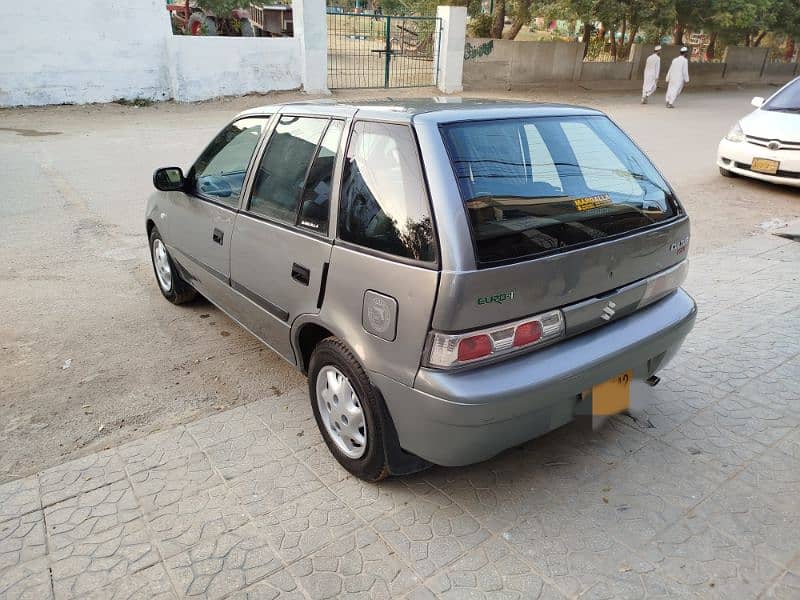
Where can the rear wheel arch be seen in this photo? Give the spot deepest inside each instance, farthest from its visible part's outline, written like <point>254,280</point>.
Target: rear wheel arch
<point>308,337</point>
<point>150,226</point>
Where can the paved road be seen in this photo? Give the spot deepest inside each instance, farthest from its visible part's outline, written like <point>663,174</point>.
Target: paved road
<point>692,495</point>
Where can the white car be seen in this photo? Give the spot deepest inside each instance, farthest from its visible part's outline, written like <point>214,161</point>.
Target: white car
<point>766,143</point>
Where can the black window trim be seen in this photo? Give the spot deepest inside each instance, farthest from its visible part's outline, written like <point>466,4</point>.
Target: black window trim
<point>195,193</point>
<point>479,264</point>
<point>244,207</point>
<point>432,265</point>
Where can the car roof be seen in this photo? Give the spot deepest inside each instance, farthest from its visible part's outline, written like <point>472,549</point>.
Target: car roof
<point>440,110</point>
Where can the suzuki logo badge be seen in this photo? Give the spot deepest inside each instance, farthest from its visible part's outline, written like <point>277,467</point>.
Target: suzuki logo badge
<point>609,311</point>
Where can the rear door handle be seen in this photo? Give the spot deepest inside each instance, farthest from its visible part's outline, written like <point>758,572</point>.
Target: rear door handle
<point>301,274</point>
<point>217,236</point>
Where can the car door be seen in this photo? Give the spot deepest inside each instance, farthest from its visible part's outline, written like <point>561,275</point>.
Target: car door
<point>201,219</point>
<point>280,247</point>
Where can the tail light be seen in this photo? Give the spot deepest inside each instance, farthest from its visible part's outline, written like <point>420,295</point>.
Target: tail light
<point>448,350</point>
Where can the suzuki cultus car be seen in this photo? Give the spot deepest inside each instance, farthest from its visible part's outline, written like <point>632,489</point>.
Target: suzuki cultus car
<point>454,279</point>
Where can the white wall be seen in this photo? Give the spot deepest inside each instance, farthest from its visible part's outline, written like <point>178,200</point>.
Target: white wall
<point>206,67</point>
<point>81,51</point>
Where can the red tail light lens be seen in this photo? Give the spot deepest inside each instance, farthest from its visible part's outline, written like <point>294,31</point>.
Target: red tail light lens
<point>448,350</point>
<point>527,333</point>
<point>474,347</point>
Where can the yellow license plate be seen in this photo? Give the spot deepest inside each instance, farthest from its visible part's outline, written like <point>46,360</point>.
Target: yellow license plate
<point>612,396</point>
<point>765,165</point>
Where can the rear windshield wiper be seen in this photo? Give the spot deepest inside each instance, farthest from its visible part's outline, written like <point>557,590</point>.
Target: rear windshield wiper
<point>788,109</point>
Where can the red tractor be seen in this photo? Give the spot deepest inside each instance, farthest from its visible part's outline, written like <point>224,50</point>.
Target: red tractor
<point>190,19</point>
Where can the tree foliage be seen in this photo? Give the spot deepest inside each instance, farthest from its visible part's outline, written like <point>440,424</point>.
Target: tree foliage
<point>744,22</point>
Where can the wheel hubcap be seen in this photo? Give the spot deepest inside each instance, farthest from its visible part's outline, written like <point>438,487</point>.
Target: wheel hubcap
<point>341,412</point>
<point>161,262</point>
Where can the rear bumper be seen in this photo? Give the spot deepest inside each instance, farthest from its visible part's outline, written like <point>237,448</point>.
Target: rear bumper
<point>464,417</point>
<point>736,157</point>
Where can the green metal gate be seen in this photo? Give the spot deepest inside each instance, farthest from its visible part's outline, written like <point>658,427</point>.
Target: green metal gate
<point>374,50</point>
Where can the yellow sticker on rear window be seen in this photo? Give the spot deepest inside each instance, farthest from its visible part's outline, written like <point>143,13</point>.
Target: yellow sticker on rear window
<point>591,202</point>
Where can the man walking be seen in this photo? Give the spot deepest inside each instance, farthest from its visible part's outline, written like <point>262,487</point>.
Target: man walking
<point>652,68</point>
<point>677,76</point>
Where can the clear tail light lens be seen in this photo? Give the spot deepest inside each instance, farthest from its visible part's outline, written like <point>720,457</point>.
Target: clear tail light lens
<point>661,284</point>
<point>448,350</point>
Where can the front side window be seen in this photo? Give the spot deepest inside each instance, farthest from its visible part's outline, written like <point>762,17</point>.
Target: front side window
<point>219,172</point>
<point>384,203</point>
<point>282,172</point>
<point>535,185</point>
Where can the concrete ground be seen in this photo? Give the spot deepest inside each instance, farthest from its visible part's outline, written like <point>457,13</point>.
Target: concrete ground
<point>695,495</point>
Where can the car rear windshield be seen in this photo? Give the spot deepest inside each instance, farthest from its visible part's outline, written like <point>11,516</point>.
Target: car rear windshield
<point>538,185</point>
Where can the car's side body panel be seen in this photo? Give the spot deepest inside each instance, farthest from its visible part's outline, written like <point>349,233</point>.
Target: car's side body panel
<point>263,257</point>
<point>353,273</point>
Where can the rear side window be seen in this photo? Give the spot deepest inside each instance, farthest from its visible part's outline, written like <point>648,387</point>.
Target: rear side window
<point>316,198</point>
<point>282,172</point>
<point>536,185</point>
<point>384,203</point>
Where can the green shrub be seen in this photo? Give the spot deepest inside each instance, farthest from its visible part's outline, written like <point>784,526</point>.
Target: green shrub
<point>480,26</point>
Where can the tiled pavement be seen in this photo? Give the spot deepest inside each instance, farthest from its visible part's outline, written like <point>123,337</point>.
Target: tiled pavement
<point>697,493</point>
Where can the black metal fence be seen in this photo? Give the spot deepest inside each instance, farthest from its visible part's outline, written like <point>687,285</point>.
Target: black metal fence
<point>375,50</point>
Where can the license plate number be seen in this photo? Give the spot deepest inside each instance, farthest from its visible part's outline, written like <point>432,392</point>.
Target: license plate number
<point>612,396</point>
<point>765,165</point>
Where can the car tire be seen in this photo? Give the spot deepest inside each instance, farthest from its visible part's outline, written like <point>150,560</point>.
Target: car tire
<point>368,461</point>
<point>174,288</point>
<point>726,173</point>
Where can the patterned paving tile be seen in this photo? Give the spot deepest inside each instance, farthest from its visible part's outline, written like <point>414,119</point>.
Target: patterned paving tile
<point>151,583</point>
<point>428,535</point>
<point>225,426</point>
<point>726,450</point>
<point>22,539</point>
<point>490,571</point>
<point>567,547</point>
<point>272,485</point>
<point>92,563</point>
<point>196,519</point>
<point>306,524</point>
<point>157,449</point>
<point>81,475</point>
<point>27,581</point>
<point>787,587</point>
<point>240,455</point>
<point>773,474</point>
<point>360,565</point>
<point>19,497</point>
<point>278,586</point>
<point>90,513</point>
<point>289,417</point>
<point>712,564</point>
<point>218,566</point>
<point>319,459</point>
<point>372,501</point>
<point>754,519</point>
<point>778,388</point>
<point>180,478</point>
<point>747,418</point>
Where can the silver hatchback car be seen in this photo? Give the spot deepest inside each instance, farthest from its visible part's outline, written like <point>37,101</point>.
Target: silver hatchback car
<point>454,278</point>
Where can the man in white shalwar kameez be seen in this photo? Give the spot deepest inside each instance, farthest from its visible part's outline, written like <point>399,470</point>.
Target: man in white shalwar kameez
<point>677,76</point>
<point>652,69</point>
